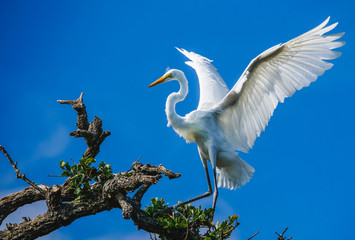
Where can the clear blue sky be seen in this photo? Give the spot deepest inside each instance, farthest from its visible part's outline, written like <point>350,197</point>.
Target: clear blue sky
<point>113,50</point>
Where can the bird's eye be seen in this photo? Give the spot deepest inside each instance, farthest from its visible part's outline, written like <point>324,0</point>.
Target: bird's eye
<point>170,75</point>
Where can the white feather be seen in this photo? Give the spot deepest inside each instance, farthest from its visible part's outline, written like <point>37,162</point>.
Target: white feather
<point>271,77</point>
<point>212,87</point>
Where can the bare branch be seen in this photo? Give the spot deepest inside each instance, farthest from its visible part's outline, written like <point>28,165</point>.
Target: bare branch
<point>254,235</point>
<point>19,174</point>
<point>281,236</point>
<point>92,133</point>
<point>79,106</point>
<point>156,169</point>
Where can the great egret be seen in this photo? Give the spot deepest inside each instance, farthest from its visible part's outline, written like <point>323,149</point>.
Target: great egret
<point>225,120</point>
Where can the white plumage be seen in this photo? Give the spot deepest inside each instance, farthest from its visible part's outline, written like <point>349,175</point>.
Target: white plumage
<point>225,120</point>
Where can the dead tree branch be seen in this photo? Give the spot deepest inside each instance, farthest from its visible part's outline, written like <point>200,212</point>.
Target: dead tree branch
<point>61,210</point>
<point>92,133</point>
<point>19,174</point>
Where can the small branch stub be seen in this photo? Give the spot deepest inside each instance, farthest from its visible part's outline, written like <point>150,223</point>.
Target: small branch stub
<point>92,132</point>
<point>281,236</point>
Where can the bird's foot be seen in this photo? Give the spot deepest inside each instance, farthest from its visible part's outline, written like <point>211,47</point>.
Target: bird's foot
<point>165,210</point>
<point>169,209</point>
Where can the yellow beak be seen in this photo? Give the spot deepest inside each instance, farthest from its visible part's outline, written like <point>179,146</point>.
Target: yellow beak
<point>159,81</point>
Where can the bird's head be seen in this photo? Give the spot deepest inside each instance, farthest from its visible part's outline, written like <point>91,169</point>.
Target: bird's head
<point>170,75</point>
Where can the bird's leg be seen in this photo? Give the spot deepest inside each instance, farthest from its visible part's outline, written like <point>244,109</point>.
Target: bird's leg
<point>215,193</point>
<point>206,194</point>
<point>212,155</point>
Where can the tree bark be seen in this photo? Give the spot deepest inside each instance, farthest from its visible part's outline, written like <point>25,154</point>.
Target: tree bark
<point>61,210</point>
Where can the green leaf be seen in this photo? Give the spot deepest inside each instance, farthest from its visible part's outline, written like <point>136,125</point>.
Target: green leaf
<point>62,163</point>
<point>83,173</point>
<point>76,199</point>
<point>77,191</point>
<point>65,174</point>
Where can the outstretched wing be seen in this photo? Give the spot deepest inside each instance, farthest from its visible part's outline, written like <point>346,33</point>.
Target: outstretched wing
<point>212,87</point>
<point>271,77</point>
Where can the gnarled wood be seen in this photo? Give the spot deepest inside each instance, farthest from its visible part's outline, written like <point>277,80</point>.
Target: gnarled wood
<point>61,210</point>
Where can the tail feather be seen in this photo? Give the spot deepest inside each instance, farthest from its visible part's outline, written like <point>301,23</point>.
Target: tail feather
<point>232,171</point>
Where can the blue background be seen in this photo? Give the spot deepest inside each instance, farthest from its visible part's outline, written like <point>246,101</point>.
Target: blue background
<point>113,50</point>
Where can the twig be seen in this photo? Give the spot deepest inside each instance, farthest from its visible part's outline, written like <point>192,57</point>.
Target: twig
<point>281,236</point>
<point>254,235</point>
<point>232,229</point>
<point>19,174</point>
<point>187,221</point>
<point>134,163</point>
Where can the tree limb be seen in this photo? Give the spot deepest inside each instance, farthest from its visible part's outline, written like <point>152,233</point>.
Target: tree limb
<point>92,133</point>
<point>12,202</point>
<point>61,210</point>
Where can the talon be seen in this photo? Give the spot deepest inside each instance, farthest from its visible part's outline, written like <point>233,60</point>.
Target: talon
<point>163,210</point>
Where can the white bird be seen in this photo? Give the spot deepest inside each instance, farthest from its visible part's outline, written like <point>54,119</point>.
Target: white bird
<point>230,120</point>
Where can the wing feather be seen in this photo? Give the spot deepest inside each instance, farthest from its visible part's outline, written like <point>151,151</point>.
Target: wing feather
<point>271,77</point>
<point>212,87</point>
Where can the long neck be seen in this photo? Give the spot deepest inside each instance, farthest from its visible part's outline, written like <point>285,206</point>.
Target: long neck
<point>173,118</point>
